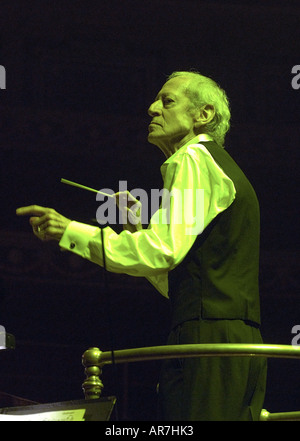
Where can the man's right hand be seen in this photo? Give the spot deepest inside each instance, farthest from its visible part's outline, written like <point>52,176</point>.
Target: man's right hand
<point>130,209</point>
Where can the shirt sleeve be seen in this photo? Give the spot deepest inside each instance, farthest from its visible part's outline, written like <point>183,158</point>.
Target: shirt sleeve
<point>193,196</point>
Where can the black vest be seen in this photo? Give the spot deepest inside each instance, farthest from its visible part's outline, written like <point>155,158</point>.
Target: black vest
<point>218,279</point>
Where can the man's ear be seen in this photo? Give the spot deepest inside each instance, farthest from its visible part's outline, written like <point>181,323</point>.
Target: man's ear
<point>204,115</point>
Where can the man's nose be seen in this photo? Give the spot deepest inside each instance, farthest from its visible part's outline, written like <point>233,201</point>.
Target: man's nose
<point>154,109</point>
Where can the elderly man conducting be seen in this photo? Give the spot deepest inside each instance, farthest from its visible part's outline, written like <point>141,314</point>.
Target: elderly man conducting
<point>208,267</point>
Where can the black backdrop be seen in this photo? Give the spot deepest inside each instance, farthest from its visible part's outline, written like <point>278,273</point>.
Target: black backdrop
<point>79,79</point>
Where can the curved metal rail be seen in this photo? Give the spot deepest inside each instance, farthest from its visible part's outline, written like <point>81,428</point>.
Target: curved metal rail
<point>281,416</point>
<point>98,358</point>
<point>93,360</point>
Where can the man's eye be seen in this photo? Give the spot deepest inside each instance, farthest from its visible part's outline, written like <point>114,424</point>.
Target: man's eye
<point>168,100</point>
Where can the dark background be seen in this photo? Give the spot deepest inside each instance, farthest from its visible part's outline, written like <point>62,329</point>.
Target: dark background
<point>79,79</point>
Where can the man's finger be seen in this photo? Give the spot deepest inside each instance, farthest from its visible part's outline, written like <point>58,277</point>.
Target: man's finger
<point>31,210</point>
<point>34,221</point>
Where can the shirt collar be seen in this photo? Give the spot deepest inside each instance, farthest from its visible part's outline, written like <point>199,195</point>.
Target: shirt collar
<point>196,140</point>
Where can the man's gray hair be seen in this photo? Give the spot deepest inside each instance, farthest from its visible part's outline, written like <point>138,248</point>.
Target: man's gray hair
<point>203,90</point>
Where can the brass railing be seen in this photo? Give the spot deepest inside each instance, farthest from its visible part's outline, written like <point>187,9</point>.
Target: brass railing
<point>93,360</point>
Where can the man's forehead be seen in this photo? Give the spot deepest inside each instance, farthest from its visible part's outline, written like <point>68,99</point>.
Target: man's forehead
<point>174,86</point>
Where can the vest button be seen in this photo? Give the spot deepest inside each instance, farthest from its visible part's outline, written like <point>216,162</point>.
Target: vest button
<point>72,245</point>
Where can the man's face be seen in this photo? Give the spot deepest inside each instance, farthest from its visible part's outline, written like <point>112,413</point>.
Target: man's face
<point>173,122</point>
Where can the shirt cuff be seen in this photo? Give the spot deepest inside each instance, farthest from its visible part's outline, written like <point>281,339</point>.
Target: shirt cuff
<point>76,238</point>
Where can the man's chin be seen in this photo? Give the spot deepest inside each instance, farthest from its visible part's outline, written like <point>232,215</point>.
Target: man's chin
<point>153,139</point>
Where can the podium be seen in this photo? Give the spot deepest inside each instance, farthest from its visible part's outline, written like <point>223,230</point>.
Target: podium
<point>76,410</point>
<point>20,409</point>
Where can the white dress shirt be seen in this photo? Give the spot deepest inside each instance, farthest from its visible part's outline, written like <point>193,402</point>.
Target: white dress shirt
<point>200,190</point>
